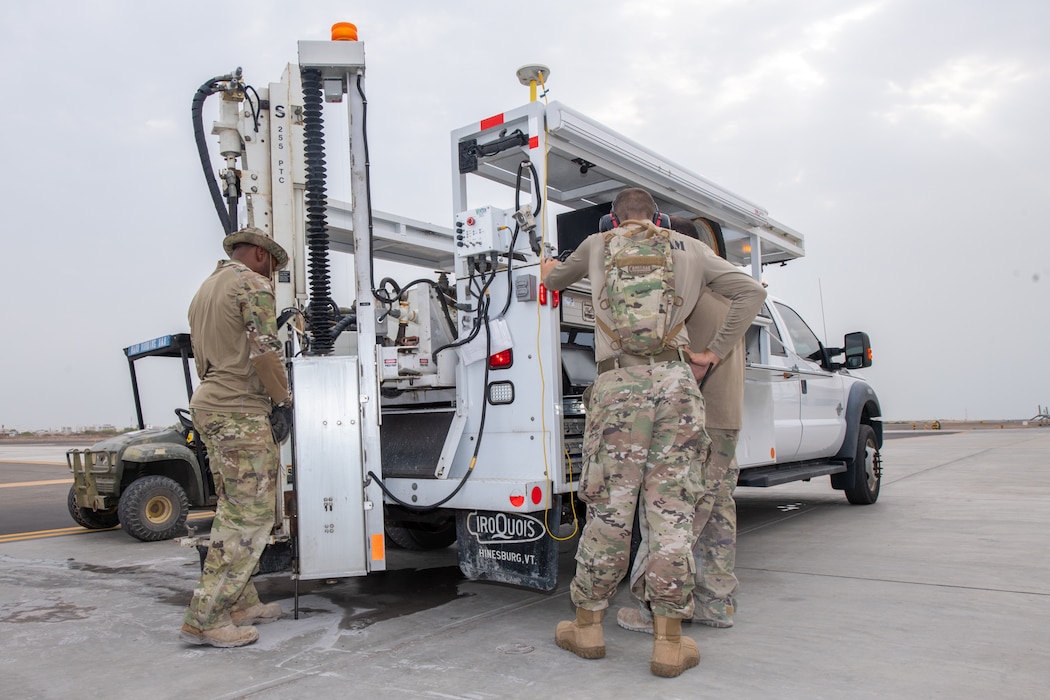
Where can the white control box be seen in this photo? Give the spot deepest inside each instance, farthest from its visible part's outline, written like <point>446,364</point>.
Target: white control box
<point>483,230</point>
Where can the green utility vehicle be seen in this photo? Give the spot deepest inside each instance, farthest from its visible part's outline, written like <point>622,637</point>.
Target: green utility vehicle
<point>145,481</point>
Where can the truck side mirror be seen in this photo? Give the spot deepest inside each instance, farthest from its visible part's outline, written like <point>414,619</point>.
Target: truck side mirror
<point>857,349</point>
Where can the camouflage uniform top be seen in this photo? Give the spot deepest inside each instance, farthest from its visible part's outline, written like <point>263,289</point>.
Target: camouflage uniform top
<point>695,268</point>
<point>232,320</point>
<point>724,389</point>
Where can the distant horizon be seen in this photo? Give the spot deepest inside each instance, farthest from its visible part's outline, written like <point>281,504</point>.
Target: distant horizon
<point>41,432</point>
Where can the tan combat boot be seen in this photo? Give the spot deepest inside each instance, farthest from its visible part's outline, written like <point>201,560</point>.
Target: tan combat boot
<point>582,636</point>
<point>635,620</point>
<point>672,653</point>
<point>258,614</point>
<point>226,636</point>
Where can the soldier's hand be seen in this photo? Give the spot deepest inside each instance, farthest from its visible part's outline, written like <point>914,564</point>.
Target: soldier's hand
<point>701,362</point>
<point>546,265</point>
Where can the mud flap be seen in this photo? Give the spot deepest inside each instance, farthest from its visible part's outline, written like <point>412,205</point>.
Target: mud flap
<point>277,557</point>
<point>512,548</point>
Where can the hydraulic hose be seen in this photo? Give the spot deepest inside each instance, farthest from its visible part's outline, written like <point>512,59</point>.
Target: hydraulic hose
<point>203,92</point>
<point>319,311</point>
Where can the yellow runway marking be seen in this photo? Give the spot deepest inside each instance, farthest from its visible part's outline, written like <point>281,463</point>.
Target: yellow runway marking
<point>36,483</point>
<point>19,536</point>
<point>29,461</point>
<point>77,530</point>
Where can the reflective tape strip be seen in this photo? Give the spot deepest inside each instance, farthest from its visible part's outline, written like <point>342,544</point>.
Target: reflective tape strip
<point>491,122</point>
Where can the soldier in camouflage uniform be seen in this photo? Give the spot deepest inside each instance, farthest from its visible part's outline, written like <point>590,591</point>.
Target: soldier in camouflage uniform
<point>645,442</point>
<point>714,523</point>
<point>238,359</point>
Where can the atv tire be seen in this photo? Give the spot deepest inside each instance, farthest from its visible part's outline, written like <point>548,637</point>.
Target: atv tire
<point>91,519</point>
<point>154,508</point>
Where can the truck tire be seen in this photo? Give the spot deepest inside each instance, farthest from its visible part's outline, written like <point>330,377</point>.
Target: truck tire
<point>420,537</point>
<point>91,519</point>
<point>154,508</point>
<point>867,466</point>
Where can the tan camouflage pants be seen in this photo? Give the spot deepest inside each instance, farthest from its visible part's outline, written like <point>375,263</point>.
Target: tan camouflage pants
<point>715,529</point>
<point>644,443</point>
<point>245,463</point>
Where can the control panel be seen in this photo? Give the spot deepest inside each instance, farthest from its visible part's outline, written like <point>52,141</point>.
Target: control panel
<point>483,230</point>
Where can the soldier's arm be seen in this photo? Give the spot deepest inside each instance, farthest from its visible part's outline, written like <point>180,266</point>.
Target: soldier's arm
<point>264,347</point>
<point>559,275</point>
<point>745,297</point>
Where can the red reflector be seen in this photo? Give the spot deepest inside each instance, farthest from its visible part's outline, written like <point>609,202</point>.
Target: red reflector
<point>537,495</point>
<point>491,122</point>
<point>501,359</point>
<point>534,142</point>
<point>555,298</point>
<point>517,500</point>
<point>543,295</point>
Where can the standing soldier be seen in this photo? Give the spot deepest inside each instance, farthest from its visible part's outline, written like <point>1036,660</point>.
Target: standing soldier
<point>645,439</point>
<point>714,523</point>
<point>238,357</point>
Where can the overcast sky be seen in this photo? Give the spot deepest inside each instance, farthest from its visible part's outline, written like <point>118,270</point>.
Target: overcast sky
<point>906,139</point>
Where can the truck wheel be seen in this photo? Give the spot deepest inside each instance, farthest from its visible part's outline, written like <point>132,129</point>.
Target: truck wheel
<point>422,536</point>
<point>868,465</point>
<point>91,519</point>
<point>154,508</point>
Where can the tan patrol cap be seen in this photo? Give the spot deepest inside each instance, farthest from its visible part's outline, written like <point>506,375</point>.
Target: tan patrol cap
<point>256,237</point>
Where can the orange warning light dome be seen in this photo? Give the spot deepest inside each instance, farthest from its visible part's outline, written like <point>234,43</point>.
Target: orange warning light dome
<point>344,31</point>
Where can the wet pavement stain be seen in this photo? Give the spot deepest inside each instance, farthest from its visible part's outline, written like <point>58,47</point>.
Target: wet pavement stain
<point>180,599</point>
<point>366,600</point>
<point>95,569</point>
<point>60,612</point>
<point>382,595</point>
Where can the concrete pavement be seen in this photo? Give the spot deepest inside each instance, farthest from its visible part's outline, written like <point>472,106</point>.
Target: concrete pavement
<point>940,590</point>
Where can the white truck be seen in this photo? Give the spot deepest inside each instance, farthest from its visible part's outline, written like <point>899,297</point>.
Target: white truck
<point>446,407</point>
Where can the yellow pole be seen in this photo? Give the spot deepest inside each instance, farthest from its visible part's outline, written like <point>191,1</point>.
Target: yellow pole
<point>532,91</point>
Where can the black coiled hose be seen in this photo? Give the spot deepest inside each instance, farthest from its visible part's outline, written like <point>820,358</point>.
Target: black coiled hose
<point>320,312</point>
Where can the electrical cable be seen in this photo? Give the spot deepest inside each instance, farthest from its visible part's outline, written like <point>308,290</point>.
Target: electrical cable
<point>256,107</point>
<point>482,310</point>
<point>517,227</point>
<point>539,360</point>
<point>572,505</point>
<point>477,445</point>
<point>379,294</point>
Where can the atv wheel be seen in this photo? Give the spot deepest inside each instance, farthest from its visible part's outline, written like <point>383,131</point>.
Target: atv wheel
<point>422,536</point>
<point>91,519</point>
<point>154,508</point>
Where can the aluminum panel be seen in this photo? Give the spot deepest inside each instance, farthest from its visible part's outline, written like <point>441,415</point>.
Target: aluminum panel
<point>328,468</point>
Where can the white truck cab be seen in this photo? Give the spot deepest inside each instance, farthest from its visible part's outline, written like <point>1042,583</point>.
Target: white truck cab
<point>817,409</point>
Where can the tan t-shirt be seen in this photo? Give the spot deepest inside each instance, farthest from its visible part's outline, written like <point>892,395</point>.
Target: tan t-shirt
<point>695,268</point>
<point>724,388</point>
<point>232,319</point>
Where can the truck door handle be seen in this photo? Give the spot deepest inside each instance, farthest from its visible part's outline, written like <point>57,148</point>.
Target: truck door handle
<point>804,387</point>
